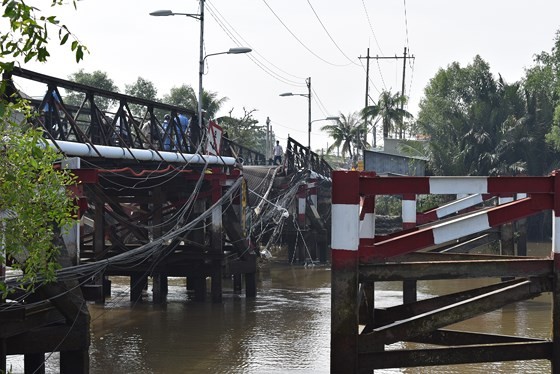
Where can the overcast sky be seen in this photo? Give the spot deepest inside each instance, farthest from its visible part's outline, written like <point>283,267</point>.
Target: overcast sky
<point>293,40</point>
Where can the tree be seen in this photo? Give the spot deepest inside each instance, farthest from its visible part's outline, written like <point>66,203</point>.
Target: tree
<point>143,89</point>
<point>185,96</point>
<point>245,130</point>
<point>31,199</point>
<point>388,111</point>
<point>97,79</point>
<point>346,133</point>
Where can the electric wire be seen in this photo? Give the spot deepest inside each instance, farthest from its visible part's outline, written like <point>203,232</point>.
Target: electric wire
<point>299,40</point>
<point>222,21</point>
<point>371,27</point>
<point>329,35</point>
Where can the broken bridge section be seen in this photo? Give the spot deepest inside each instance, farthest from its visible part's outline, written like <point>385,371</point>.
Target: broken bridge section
<point>360,332</point>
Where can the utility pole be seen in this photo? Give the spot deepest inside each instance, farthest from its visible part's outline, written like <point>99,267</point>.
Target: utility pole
<point>267,139</point>
<point>402,91</point>
<point>403,57</point>
<point>367,103</point>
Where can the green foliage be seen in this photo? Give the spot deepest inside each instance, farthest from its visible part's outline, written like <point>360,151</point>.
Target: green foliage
<point>143,89</point>
<point>388,205</point>
<point>185,96</point>
<point>28,35</point>
<point>98,79</point>
<point>346,133</point>
<point>245,131</point>
<point>388,111</point>
<point>479,125</point>
<point>33,192</point>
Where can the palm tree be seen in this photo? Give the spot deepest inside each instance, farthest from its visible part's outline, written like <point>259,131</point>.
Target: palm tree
<point>388,110</point>
<point>346,133</point>
<point>186,96</point>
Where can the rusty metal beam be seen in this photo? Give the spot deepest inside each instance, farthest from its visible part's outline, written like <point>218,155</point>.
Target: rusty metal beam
<point>455,269</point>
<point>454,338</point>
<point>386,316</point>
<point>424,323</point>
<point>455,355</point>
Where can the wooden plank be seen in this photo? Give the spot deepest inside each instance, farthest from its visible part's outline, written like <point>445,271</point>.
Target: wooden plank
<point>407,329</point>
<point>456,269</point>
<point>455,355</point>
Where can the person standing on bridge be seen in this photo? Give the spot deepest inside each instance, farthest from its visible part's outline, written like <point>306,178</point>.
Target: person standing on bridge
<point>278,152</point>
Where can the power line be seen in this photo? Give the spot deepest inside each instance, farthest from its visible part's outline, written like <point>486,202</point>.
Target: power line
<point>299,41</point>
<point>222,21</point>
<point>371,27</point>
<point>329,35</point>
<point>259,64</point>
<point>406,23</point>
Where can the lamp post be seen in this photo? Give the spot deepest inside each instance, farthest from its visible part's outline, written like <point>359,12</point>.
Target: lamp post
<point>308,95</point>
<point>200,17</point>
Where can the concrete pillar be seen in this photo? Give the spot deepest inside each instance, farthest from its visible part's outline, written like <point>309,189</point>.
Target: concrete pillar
<point>344,271</point>
<point>555,359</point>
<point>408,211</point>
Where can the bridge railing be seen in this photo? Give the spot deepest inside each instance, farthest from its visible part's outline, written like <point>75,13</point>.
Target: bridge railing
<point>360,332</point>
<point>102,117</point>
<point>245,155</point>
<point>298,157</point>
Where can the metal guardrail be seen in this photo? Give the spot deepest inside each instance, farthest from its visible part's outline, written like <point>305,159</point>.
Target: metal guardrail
<point>298,158</point>
<point>131,123</point>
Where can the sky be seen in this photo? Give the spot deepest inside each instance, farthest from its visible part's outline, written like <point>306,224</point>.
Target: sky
<point>295,40</point>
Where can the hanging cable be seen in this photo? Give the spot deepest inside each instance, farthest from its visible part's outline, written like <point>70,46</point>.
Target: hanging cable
<point>299,41</point>
<point>329,35</point>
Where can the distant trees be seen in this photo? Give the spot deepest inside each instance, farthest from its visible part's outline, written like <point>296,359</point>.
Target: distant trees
<point>187,97</point>
<point>480,125</point>
<point>388,110</point>
<point>245,130</point>
<point>346,133</point>
<point>97,79</point>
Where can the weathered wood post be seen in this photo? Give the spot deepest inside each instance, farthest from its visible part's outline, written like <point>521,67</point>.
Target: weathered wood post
<point>367,237</point>
<point>99,244</point>
<point>408,222</point>
<point>344,271</point>
<point>555,359</point>
<point>160,284</point>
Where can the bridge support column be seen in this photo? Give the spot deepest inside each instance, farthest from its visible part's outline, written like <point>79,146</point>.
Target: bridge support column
<point>99,245</point>
<point>34,363</point>
<point>344,271</point>
<point>555,359</point>
<point>159,288</point>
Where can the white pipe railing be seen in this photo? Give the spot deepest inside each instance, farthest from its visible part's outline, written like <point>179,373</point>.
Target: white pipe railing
<point>87,150</point>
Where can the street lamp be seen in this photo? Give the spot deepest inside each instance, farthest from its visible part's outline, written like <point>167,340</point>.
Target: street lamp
<point>308,95</point>
<point>200,17</point>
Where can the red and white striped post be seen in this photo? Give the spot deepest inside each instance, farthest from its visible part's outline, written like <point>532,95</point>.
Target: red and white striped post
<point>555,360</point>
<point>408,211</point>
<point>344,271</point>
<point>367,220</point>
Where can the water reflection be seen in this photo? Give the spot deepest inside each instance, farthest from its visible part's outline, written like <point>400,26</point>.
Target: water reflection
<point>286,329</point>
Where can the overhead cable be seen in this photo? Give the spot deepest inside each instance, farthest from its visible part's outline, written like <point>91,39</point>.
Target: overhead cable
<point>329,35</point>
<point>299,40</point>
